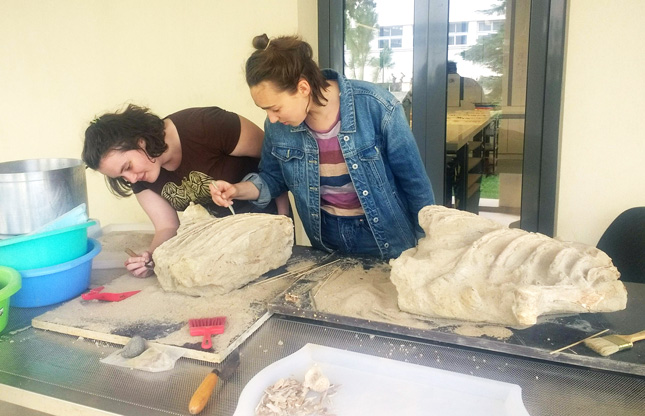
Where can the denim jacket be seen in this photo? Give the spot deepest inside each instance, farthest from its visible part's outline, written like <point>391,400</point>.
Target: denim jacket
<point>382,158</point>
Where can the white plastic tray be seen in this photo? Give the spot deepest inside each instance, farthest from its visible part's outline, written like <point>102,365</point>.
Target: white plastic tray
<point>378,386</point>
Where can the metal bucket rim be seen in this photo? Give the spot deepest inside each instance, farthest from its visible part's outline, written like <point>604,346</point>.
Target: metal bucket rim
<point>15,176</point>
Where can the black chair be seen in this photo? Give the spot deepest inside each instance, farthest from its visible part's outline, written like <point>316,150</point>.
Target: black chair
<point>624,242</point>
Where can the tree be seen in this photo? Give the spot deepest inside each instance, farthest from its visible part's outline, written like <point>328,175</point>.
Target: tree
<point>489,52</point>
<point>360,26</point>
<point>384,62</point>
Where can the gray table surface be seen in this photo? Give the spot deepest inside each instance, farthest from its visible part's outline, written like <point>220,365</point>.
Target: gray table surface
<point>63,373</point>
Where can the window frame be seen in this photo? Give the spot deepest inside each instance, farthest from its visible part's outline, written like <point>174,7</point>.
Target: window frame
<point>543,102</point>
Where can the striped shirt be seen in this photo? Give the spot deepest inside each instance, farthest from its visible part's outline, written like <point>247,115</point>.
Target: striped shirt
<point>337,193</point>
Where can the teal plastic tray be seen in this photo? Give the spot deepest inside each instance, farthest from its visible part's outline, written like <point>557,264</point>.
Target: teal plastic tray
<point>33,251</point>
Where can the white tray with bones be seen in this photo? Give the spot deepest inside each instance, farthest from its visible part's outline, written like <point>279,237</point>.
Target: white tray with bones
<point>324,381</point>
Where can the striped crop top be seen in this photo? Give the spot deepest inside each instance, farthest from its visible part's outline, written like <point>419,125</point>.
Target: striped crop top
<point>337,193</point>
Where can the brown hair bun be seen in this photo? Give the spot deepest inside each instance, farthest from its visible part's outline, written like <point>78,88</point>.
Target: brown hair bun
<point>261,42</point>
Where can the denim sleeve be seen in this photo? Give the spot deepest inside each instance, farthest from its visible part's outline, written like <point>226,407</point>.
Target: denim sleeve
<point>406,164</point>
<point>265,196</point>
<point>269,180</point>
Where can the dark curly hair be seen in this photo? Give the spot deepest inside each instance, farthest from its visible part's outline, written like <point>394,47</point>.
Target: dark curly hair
<point>284,61</point>
<point>122,132</point>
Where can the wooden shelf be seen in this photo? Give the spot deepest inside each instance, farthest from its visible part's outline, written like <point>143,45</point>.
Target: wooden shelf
<point>474,146</point>
<point>473,163</point>
<point>473,179</point>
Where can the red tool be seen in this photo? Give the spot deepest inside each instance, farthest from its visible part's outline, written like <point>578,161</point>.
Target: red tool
<point>110,297</point>
<point>207,327</point>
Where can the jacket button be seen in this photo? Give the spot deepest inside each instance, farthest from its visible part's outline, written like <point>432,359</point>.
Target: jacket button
<point>354,166</point>
<point>346,138</point>
<point>386,245</point>
<point>375,220</point>
<point>365,193</point>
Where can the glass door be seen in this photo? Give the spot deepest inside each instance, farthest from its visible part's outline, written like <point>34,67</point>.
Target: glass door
<point>486,100</point>
<point>488,41</point>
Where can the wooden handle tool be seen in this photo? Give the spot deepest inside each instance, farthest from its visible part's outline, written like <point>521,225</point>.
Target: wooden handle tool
<point>205,389</point>
<point>203,393</point>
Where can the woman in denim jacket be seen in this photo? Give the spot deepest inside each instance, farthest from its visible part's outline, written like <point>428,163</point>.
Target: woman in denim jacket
<point>342,147</point>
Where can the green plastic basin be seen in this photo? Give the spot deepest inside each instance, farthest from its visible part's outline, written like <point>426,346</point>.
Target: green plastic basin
<point>9,284</point>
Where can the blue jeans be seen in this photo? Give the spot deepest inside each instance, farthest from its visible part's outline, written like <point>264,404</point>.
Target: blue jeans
<point>348,235</point>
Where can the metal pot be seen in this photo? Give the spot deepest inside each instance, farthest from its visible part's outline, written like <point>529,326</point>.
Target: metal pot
<point>36,191</point>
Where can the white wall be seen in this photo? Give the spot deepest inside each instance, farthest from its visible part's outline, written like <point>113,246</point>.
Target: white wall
<point>603,140</point>
<point>64,62</point>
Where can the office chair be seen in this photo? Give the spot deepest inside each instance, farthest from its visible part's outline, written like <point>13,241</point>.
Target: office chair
<point>624,242</point>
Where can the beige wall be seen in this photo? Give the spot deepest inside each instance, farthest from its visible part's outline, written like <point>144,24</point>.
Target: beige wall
<point>64,62</point>
<point>603,141</point>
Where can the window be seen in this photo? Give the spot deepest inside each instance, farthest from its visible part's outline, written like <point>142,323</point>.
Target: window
<point>537,200</point>
<point>485,26</point>
<point>391,31</point>
<point>458,27</point>
<point>490,25</point>
<point>457,40</point>
<point>390,37</point>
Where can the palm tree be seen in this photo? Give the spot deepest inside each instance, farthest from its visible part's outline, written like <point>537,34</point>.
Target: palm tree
<point>360,26</point>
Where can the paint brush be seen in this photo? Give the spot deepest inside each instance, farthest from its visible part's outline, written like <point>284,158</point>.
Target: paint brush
<point>610,344</point>
<point>578,342</point>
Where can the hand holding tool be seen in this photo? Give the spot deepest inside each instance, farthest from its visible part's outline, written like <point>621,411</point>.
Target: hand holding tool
<point>613,343</point>
<point>230,207</point>
<point>205,389</point>
<point>131,253</point>
<point>107,296</point>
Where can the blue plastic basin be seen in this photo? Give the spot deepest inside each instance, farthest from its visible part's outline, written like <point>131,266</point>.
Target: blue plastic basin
<point>54,284</point>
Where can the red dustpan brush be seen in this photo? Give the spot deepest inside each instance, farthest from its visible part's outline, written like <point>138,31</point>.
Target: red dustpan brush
<point>207,327</point>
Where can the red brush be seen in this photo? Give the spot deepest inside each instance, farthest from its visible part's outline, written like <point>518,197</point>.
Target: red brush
<point>207,327</point>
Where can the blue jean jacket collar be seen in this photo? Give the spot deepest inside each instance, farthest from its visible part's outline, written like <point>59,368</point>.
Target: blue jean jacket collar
<point>348,111</point>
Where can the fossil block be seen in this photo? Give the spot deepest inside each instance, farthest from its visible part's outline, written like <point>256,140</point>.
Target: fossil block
<point>471,268</point>
<point>212,255</point>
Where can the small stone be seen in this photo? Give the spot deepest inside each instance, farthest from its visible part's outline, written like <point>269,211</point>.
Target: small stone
<point>134,347</point>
